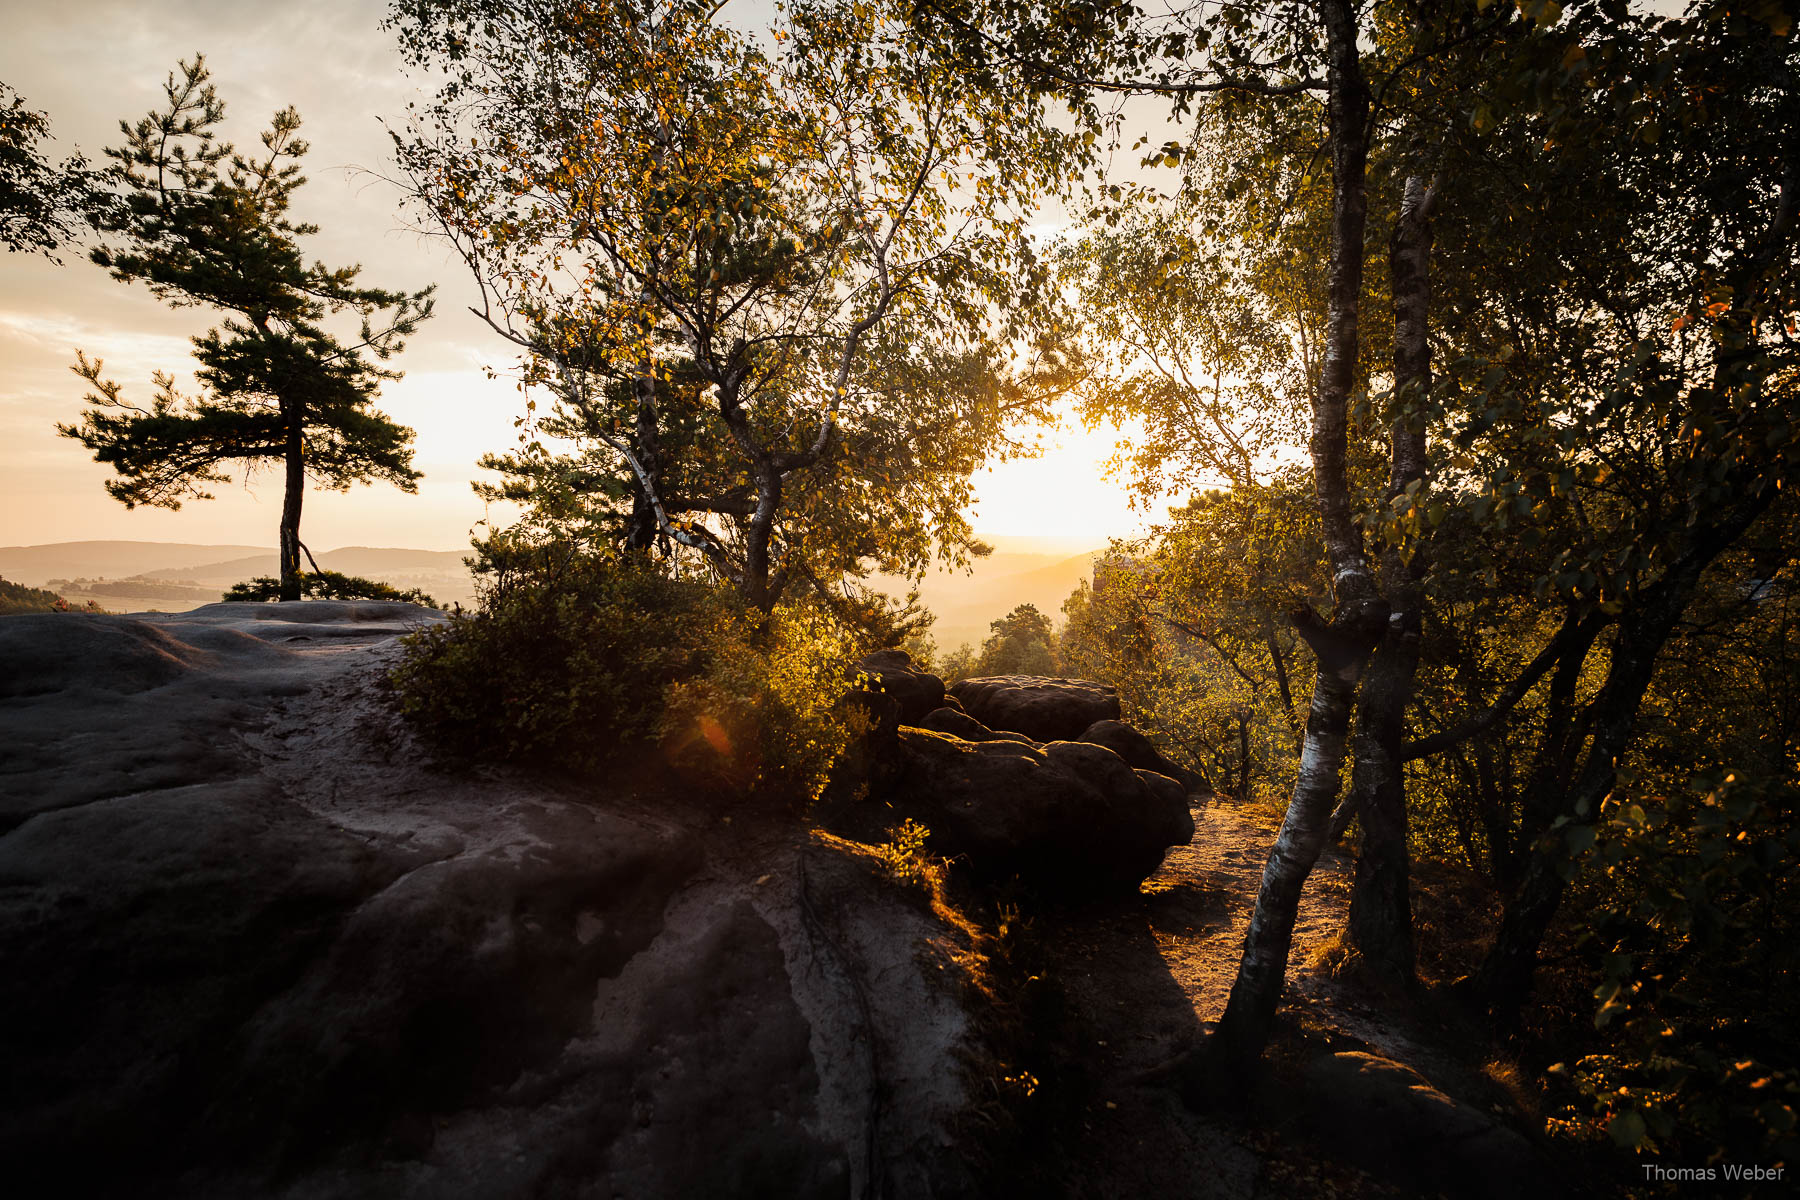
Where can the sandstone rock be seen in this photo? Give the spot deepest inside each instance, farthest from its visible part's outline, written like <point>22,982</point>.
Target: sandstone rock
<point>916,692</point>
<point>306,964</point>
<point>957,723</point>
<point>1043,709</point>
<point>1070,818</point>
<point>1137,750</point>
<point>1172,793</point>
<point>1161,819</point>
<point>1387,1116</point>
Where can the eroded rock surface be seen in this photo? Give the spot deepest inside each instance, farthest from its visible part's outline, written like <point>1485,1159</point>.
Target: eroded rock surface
<point>1388,1117</point>
<point>1138,750</point>
<point>915,692</point>
<point>957,723</point>
<point>1072,819</point>
<point>1041,708</point>
<point>256,943</point>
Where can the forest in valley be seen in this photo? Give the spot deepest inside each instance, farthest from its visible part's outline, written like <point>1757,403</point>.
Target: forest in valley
<point>1464,333</point>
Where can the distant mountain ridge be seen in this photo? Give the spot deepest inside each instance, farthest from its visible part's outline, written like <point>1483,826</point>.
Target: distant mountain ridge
<point>200,562</point>
<point>1021,570</point>
<point>351,560</point>
<point>141,576</point>
<point>35,565</point>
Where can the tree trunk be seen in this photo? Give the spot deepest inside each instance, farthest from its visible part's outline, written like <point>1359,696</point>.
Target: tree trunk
<point>294,494</point>
<point>1504,979</point>
<point>1243,783</point>
<point>641,533</point>
<point>1495,815</point>
<point>761,582</point>
<point>1343,645</point>
<point>1380,927</point>
<point>759,585</point>
<point>1249,1016</point>
<point>1278,659</point>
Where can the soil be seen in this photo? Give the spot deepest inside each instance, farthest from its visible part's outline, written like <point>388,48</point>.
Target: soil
<point>1119,992</point>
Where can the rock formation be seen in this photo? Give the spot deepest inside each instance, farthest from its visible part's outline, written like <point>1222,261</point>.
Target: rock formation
<point>1071,819</point>
<point>1137,750</point>
<point>255,943</point>
<point>1043,709</point>
<point>957,723</point>
<point>1388,1117</point>
<point>1026,776</point>
<point>914,691</point>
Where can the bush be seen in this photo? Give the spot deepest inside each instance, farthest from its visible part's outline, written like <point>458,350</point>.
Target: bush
<point>575,661</point>
<point>1693,910</point>
<point>761,716</point>
<point>328,585</point>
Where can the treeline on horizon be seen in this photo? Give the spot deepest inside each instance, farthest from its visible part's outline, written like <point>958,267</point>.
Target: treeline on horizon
<point>1470,332</point>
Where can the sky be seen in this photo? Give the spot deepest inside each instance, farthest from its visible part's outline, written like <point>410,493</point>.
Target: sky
<point>90,63</point>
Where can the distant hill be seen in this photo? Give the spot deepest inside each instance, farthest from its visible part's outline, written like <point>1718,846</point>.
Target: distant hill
<point>1040,571</point>
<point>37,565</point>
<point>17,598</point>
<point>177,576</point>
<point>351,560</point>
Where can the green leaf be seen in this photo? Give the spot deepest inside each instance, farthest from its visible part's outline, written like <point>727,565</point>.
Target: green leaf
<point>1627,1130</point>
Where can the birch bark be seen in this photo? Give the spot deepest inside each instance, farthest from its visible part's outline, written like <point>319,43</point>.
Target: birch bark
<point>1343,643</point>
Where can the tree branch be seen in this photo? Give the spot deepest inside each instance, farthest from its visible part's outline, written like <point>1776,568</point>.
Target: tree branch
<point>1576,631</point>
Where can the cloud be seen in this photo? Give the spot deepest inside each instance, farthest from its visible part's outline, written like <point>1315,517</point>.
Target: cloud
<point>61,332</point>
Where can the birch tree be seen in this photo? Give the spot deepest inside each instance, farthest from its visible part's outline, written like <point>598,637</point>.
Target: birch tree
<point>41,203</point>
<point>801,220</point>
<point>1236,62</point>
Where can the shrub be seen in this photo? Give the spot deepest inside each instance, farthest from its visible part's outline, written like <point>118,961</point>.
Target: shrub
<point>905,857</point>
<point>760,717</point>
<point>328,585</point>
<point>574,661</point>
<point>1692,913</point>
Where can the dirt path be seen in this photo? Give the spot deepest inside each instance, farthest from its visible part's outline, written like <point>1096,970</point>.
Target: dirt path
<point>1191,918</point>
<point>1132,985</point>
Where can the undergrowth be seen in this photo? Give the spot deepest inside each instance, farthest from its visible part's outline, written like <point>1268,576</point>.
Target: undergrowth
<point>328,585</point>
<point>581,663</point>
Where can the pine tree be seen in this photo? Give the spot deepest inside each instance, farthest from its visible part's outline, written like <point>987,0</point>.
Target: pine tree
<point>204,226</point>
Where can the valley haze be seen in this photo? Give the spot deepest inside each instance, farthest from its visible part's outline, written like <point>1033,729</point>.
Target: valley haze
<point>134,576</point>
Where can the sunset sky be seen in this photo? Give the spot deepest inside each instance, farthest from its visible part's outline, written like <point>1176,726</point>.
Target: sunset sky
<point>89,63</point>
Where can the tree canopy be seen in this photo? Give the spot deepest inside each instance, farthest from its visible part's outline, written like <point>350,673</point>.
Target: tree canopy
<point>42,203</point>
<point>1534,265</point>
<point>781,283</point>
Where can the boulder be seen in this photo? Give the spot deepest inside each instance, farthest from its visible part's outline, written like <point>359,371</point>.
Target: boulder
<point>1137,750</point>
<point>1170,791</point>
<point>303,962</point>
<point>1071,819</point>
<point>1388,1117</point>
<point>1041,708</point>
<point>916,692</point>
<point>957,723</point>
